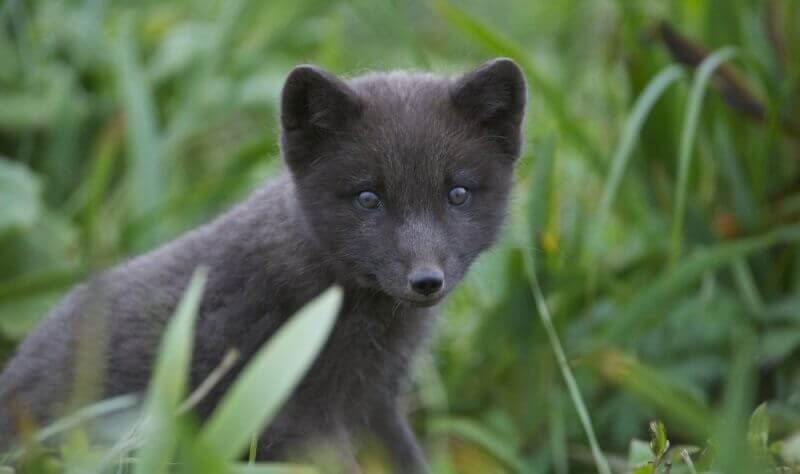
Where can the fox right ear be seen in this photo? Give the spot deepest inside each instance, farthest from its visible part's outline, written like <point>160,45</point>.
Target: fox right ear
<point>313,98</point>
<point>492,92</point>
<point>493,95</point>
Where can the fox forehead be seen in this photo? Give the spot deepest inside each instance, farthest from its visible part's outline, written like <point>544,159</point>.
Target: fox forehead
<point>398,157</point>
<point>407,134</point>
<point>402,131</point>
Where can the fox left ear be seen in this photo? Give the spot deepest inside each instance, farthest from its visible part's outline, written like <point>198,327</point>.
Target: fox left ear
<point>313,98</point>
<point>493,94</point>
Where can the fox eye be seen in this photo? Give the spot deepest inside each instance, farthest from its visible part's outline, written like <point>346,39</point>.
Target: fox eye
<point>368,200</point>
<point>458,195</point>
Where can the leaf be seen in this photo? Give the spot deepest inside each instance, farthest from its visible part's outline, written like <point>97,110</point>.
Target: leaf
<point>20,195</point>
<point>271,376</point>
<point>758,429</point>
<point>169,381</point>
<point>659,442</point>
<point>640,457</point>
<point>647,468</point>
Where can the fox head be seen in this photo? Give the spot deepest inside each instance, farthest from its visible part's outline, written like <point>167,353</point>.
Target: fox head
<point>403,178</point>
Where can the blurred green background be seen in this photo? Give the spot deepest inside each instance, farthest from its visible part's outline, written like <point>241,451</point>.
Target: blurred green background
<point>659,197</point>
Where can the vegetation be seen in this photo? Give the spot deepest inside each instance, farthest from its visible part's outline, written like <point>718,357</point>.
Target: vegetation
<point>654,232</point>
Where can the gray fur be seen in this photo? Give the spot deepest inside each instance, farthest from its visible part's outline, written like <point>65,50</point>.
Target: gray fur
<point>409,137</point>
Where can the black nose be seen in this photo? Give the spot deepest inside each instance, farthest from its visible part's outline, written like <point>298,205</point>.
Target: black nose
<point>426,281</point>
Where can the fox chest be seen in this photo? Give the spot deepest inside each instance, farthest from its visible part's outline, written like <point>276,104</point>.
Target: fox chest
<point>365,362</point>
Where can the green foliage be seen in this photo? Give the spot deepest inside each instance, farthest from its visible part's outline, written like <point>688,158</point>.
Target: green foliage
<point>658,198</point>
<point>659,457</point>
<point>147,442</point>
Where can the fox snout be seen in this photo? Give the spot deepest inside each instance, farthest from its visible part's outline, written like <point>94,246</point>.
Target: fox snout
<point>426,281</point>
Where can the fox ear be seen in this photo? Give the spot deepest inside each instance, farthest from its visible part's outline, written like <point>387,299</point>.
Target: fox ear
<point>315,98</point>
<point>493,94</point>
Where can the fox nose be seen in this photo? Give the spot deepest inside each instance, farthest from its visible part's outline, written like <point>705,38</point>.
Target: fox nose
<point>426,281</point>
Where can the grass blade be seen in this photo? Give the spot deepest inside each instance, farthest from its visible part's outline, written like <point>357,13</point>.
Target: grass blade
<point>170,379</point>
<point>641,109</point>
<point>688,134</point>
<point>566,372</point>
<point>271,377</point>
<point>654,90</point>
<point>541,174</point>
<point>540,190</point>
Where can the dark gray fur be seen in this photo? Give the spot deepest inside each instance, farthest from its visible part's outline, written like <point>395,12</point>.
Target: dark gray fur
<point>409,137</point>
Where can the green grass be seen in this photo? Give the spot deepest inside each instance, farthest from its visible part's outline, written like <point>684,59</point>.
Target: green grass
<point>660,212</point>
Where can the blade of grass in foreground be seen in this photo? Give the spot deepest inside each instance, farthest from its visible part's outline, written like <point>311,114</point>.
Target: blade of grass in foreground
<point>168,385</point>
<point>688,134</point>
<point>271,376</point>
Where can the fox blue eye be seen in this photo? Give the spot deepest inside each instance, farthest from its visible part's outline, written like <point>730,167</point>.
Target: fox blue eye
<point>368,200</point>
<point>458,195</point>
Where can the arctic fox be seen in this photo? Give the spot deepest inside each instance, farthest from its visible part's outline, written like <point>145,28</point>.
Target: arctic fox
<point>395,183</point>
